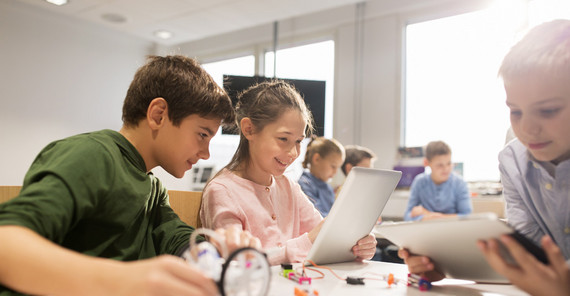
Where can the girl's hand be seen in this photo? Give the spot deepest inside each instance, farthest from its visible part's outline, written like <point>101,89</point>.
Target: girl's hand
<point>421,265</point>
<point>236,238</point>
<point>365,248</point>
<point>315,231</point>
<point>530,275</point>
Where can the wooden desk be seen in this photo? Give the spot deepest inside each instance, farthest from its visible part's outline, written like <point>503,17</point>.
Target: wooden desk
<point>331,286</point>
<point>398,202</point>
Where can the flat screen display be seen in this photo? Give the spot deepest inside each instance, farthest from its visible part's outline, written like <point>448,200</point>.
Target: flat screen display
<point>312,91</point>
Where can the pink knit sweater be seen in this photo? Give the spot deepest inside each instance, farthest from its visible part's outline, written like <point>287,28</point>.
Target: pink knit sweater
<point>280,215</point>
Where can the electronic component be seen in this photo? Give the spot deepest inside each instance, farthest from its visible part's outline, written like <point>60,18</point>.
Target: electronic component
<point>299,279</point>
<point>287,268</point>
<point>421,283</point>
<point>245,271</point>
<point>354,280</point>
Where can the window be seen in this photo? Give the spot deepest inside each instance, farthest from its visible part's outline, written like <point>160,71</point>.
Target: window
<point>312,62</point>
<point>244,66</point>
<point>452,92</point>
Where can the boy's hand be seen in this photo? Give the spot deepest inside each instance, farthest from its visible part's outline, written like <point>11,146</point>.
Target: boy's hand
<point>420,265</point>
<point>163,275</point>
<point>530,275</point>
<point>418,211</point>
<point>365,248</point>
<point>432,215</point>
<point>59,271</point>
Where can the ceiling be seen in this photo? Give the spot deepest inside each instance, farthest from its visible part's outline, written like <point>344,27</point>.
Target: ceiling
<point>188,20</point>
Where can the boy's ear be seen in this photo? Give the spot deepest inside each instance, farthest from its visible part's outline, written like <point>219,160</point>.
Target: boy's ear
<point>426,162</point>
<point>157,113</point>
<point>246,127</point>
<point>315,157</point>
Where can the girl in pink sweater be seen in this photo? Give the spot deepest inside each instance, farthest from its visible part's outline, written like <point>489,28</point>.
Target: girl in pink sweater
<point>253,192</point>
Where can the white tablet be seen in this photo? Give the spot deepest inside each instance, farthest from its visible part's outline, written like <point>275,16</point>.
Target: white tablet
<point>451,243</point>
<point>353,214</point>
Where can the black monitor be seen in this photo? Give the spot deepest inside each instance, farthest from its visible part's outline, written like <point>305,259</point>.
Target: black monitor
<point>312,91</point>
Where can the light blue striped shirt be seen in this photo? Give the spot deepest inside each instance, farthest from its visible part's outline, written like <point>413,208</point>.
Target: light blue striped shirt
<point>537,195</point>
<point>449,197</point>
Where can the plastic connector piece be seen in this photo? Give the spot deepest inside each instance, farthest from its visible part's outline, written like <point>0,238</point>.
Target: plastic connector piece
<point>299,279</point>
<point>305,292</point>
<point>421,283</point>
<point>390,280</point>
<point>354,280</point>
<point>286,272</point>
<point>287,268</point>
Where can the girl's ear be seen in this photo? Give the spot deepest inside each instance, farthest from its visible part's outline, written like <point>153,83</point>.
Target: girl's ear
<point>246,127</point>
<point>157,113</point>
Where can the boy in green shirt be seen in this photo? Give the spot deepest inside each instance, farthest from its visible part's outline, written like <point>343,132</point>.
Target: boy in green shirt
<point>90,198</point>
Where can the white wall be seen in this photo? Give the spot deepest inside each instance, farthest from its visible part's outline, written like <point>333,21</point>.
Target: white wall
<point>58,77</point>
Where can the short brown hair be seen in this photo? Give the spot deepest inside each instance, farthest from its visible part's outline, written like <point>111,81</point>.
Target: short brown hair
<point>436,148</point>
<point>185,86</point>
<point>355,154</point>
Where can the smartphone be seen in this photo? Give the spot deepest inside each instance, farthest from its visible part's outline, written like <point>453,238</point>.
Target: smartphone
<point>530,246</point>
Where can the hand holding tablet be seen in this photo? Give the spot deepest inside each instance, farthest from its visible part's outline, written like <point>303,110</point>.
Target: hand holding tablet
<point>451,243</point>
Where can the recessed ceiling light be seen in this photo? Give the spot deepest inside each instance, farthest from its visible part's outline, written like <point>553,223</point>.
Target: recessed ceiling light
<point>57,2</point>
<point>163,34</point>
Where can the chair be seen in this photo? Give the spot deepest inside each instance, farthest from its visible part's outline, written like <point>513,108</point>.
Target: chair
<point>184,203</point>
<point>187,205</point>
<point>8,192</point>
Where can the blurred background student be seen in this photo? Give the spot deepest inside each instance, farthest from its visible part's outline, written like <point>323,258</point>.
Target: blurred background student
<point>439,193</point>
<point>355,156</point>
<point>322,161</point>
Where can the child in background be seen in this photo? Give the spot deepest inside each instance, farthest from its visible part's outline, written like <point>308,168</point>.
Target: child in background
<point>355,156</point>
<point>535,167</point>
<point>323,159</point>
<point>440,193</point>
<point>252,191</point>
<point>89,202</point>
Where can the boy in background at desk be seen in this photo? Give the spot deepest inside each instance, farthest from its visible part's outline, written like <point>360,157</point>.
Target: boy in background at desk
<point>535,167</point>
<point>252,192</point>
<point>355,156</point>
<point>441,193</point>
<point>322,160</point>
<point>89,201</point>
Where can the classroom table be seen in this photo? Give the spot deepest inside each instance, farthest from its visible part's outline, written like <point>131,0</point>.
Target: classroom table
<point>374,270</point>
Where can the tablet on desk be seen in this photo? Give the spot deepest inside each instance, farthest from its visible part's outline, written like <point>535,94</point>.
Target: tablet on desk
<point>353,214</point>
<point>451,243</point>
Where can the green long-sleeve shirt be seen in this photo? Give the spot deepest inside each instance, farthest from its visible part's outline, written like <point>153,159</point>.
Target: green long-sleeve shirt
<point>91,193</point>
